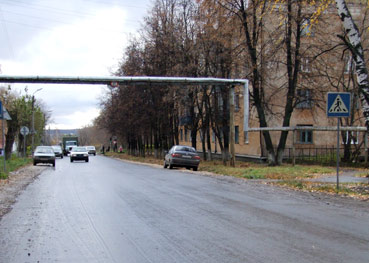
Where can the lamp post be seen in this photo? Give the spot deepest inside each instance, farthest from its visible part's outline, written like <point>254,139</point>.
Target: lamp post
<point>33,118</point>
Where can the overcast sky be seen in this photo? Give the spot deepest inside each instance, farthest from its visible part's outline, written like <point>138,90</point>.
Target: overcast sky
<point>67,38</point>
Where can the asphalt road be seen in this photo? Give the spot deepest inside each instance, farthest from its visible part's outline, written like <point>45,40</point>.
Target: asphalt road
<point>112,211</point>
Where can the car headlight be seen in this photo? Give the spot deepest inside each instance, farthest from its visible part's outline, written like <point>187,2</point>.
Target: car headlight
<point>73,155</point>
<point>85,155</point>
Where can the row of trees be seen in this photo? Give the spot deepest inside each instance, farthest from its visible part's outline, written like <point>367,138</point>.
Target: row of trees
<point>271,43</point>
<point>20,108</point>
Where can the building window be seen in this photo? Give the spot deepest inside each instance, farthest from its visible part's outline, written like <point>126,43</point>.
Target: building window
<point>305,65</point>
<point>354,137</point>
<point>304,99</point>
<point>236,102</point>
<point>236,135</point>
<point>306,28</point>
<point>305,136</point>
<point>348,64</point>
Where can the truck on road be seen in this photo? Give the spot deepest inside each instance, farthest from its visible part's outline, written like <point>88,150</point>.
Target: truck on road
<point>68,143</point>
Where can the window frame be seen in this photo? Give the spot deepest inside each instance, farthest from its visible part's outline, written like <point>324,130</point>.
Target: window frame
<point>307,102</point>
<point>303,135</point>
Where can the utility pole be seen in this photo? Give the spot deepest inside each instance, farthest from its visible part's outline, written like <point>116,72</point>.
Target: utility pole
<point>231,126</point>
<point>33,119</point>
<point>33,124</point>
<point>3,135</point>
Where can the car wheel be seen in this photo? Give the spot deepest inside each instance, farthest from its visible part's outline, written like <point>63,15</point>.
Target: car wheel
<point>165,164</point>
<point>195,168</point>
<point>71,160</point>
<point>61,156</point>
<point>171,166</point>
<point>34,163</point>
<point>86,160</point>
<point>53,164</point>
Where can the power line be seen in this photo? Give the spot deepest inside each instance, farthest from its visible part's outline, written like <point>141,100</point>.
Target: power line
<point>51,29</point>
<point>52,20</point>
<point>57,9</point>
<point>3,22</point>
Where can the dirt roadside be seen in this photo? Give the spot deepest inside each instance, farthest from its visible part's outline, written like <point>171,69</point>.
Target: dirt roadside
<point>15,184</point>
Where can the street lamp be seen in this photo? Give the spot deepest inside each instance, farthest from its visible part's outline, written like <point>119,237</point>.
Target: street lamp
<point>33,118</point>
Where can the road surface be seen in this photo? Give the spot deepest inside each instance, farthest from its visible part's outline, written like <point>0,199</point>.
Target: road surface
<point>113,211</point>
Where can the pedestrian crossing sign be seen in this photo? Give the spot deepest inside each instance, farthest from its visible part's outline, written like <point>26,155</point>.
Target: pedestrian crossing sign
<point>338,104</point>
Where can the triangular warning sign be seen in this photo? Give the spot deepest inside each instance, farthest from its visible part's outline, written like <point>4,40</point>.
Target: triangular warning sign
<point>338,106</point>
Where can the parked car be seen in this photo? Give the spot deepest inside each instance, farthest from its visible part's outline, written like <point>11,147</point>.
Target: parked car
<point>58,151</point>
<point>182,156</point>
<point>78,153</point>
<point>91,150</point>
<point>44,154</point>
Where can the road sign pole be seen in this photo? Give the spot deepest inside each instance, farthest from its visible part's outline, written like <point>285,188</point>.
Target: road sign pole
<point>338,153</point>
<point>24,146</point>
<point>338,105</point>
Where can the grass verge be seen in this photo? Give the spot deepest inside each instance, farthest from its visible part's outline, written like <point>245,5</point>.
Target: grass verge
<point>262,171</point>
<point>12,164</point>
<point>356,190</point>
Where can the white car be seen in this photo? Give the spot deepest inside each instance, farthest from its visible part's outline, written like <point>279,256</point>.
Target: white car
<point>91,150</point>
<point>78,153</point>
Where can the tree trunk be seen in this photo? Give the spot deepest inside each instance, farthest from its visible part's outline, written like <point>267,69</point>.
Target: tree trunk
<point>208,138</point>
<point>194,136</point>
<point>9,140</point>
<point>203,142</point>
<point>355,46</point>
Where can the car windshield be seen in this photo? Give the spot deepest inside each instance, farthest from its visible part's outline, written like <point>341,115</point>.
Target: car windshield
<point>90,147</point>
<point>44,150</point>
<point>56,148</point>
<point>185,149</point>
<point>79,149</point>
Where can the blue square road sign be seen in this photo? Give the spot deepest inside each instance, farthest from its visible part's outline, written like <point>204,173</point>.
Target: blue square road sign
<point>338,104</point>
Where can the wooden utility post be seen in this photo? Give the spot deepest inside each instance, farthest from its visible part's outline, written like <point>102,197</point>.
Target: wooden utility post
<point>231,126</point>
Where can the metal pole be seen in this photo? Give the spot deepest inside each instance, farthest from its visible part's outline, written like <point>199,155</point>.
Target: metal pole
<point>33,123</point>
<point>338,152</point>
<point>246,112</point>
<point>231,124</point>
<point>3,138</point>
<point>33,119</point>
<point>24,146</point>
